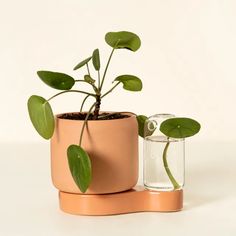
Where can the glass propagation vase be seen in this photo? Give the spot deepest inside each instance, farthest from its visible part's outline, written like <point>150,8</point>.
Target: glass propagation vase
<point>163,167</point>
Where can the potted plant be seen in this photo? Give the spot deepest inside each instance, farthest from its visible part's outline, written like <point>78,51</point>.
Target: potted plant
<point>94,151</point>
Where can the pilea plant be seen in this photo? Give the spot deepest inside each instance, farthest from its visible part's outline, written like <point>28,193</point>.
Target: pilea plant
<point>41,114</point>
<point>178,128</point>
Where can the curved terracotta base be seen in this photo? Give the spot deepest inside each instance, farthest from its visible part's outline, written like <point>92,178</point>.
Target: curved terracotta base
<point>134,200</point>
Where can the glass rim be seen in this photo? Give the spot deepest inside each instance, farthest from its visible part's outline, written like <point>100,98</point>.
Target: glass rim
<point>163,139</point>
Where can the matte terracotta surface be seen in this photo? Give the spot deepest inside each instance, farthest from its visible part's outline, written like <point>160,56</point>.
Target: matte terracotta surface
<point>135,200</point>
<point>112,146</point>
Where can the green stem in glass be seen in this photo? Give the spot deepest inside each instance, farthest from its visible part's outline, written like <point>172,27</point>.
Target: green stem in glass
<point>171,177</point>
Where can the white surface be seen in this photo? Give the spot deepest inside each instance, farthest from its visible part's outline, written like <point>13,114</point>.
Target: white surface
<point>29,202</point>
<point>186,62</point>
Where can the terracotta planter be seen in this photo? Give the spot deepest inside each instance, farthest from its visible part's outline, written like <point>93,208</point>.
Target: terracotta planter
<point>112,146</point>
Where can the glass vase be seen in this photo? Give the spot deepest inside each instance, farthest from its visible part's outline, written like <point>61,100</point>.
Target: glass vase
<point>163,157</point>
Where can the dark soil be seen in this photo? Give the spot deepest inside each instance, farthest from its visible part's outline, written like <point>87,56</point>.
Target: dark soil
<point>102,116</point>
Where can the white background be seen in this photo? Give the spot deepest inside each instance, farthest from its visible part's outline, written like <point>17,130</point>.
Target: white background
<point>186,62</point>
<point>187,65</point>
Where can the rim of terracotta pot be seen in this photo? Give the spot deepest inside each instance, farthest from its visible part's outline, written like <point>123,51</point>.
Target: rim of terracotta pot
<point>130,114</point>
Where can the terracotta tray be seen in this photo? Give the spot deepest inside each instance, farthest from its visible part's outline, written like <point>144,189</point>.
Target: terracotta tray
<point>137,199</point>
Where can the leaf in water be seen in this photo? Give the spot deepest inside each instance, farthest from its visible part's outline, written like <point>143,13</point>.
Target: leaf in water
<point>41,116</point>
<point>180,127</point>
<point>96,59</point>
<point>80,166</point>
<point>82,63</point>
<point>130,82</point>
<point>123,39</point>
<point>56,80</point>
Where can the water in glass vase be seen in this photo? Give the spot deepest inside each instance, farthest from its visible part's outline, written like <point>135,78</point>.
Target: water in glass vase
<point>163,163</point>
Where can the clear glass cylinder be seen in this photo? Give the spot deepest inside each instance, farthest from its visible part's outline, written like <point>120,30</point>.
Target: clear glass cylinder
<point>163,157</point>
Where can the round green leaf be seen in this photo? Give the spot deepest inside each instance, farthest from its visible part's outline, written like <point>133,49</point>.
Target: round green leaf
<point>56,80</point>
<point>96,59</point>
<point>80,166</point>
<point>130,82</point>
<point>41,116</point>
<point>180,127</point>
<point>82,63</point>
<point>123,39</point>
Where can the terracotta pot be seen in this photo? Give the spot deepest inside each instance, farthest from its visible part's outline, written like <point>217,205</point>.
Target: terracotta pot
<point>112,146</point>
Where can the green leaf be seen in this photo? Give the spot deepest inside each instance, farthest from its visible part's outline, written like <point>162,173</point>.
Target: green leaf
<point>180,127</point>
<point>130,82</point>
<point>96,59</point>
<point>141,121</point>
<point>89,79</point>
<point>123,39</point>
<point>56,80</point>
<point>41,116</point>
<point>142,131</point>
<point>80,166</point>
<point>82,63</point>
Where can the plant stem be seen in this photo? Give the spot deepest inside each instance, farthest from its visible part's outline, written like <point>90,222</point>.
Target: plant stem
<point>80,80</point>
<point>88,68</point>
<point>81,108</point>
<point>97,107</point>
<point>171,177</point>
<point>109,91</point>
<point>85,122</point>
<point>71,91</point>
<point>99,80</point>
<point>108,62</point>
<point>96,90</point>
<point>110,114</point>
